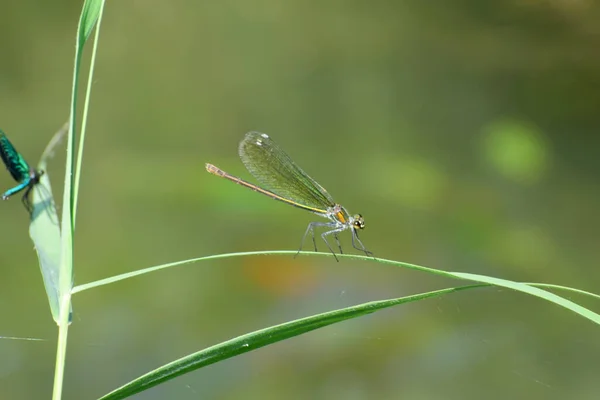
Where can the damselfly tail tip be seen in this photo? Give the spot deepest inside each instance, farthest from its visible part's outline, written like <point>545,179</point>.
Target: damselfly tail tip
<point>214,170</point>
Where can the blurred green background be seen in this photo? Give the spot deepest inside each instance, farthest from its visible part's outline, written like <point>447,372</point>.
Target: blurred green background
<point>465,132</point>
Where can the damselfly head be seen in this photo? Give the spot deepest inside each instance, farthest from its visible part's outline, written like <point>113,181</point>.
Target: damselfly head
<point>359,222</point>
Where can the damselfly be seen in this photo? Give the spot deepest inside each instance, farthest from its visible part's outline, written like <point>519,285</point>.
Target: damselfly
<point>283,180</point>
<point>21,172</point>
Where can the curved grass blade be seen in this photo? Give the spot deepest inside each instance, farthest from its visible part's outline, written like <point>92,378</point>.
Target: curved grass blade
<point>277,333</point>
<point>534,291</point>
<point>527,288</point>
<point>263,337</point>
<point>44,228</point>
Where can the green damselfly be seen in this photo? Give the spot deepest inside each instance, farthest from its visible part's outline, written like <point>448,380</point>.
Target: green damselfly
<point>21,172</point>
<point>283,180</point>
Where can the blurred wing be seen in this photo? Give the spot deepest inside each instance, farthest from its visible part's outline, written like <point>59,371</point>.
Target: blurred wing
<point>16,165</point>
<point>276,171</point>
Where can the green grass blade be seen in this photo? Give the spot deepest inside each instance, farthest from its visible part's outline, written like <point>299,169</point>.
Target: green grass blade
<point>44,229</point>
<point>89,15</point>
<point>534,291</point>
<point>565,288</point>
<point>277,333</point>
<point>518,286</point>
<point>88,18</point>
<point>93,14</point>
<point>257,339</point>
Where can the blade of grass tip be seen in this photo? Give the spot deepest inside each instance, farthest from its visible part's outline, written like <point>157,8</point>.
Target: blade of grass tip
<point>97,14</point>
<point>534,291</point>
<point>518,286</point>
<point>565,288</point>
<point>44,229</point>
<point>89,15</point>
<point>261,338</point>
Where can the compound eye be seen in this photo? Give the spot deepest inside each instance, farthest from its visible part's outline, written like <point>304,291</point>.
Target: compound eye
<point>359,221</point>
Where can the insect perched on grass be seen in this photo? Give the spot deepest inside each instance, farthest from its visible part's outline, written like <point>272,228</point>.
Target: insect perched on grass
<point>285,181</point>
<point>21,172</point>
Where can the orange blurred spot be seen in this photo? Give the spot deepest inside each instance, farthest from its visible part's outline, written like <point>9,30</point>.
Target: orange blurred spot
<point>281,275</point>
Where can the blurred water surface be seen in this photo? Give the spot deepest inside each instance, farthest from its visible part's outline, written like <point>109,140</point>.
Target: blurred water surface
<point>464,131</point>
